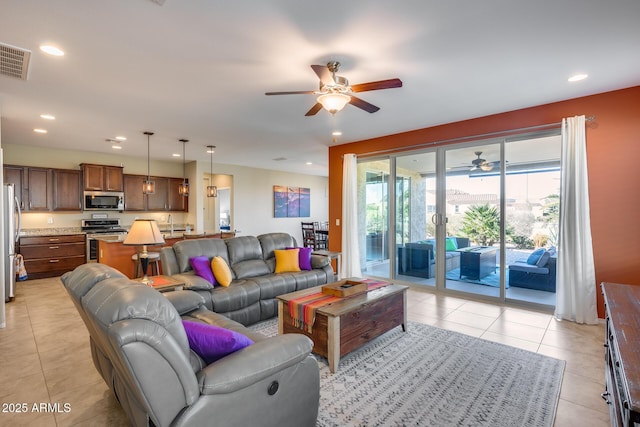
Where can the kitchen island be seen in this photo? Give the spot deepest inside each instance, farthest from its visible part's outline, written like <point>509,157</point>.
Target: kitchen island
<point>113,253</point>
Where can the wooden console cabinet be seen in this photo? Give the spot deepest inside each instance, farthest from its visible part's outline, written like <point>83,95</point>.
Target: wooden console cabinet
<point>51,256</point>
<point>622,353</point>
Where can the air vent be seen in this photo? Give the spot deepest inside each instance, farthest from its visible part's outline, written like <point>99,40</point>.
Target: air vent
<point>14,61</point>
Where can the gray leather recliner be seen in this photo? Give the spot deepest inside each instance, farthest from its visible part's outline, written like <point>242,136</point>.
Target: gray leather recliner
<point>140,348</point>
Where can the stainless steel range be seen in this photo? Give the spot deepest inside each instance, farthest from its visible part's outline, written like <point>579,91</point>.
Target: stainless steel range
<point>105,228</point>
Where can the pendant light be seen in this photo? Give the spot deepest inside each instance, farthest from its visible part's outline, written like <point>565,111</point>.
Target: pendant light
<point>212,190</point>
<point>183,189</point>
<point>148,187</point>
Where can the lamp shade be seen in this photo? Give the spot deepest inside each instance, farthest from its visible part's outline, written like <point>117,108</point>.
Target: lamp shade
<point>144,232</point>
<point>334,102</point>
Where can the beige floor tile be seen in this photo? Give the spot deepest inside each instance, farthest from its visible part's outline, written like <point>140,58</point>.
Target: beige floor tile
<point>517,330</point>
<point>587,362</point>
<point>90,401</point>
<point>570,414</point>
<point>584,391</point>
<point>573,339</point>
<point>470,319</point>
<point>531,318</point>
<point>513,342</point>
<point>482,308</point>
<point>459,327</point>
<point>29,419</point>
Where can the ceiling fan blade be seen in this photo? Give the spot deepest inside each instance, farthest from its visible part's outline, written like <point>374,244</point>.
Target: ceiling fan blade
<point>382,84</point>
<point>324,74</point>
<point>314,110</point>
<point>296,92</point>
<point>357,102</point>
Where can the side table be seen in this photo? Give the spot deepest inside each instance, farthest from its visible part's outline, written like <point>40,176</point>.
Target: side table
<point>163,283</point>
<point>331,255</point>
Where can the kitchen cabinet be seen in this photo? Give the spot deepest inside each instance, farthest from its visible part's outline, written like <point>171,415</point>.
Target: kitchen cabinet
<point>16,175</point>
<point>67,194</point>
<point>52,255</point>
<point>39,189</point>
<point>176,201</point>
<point>165,198</point>
<point>159,200</point>
<point>134,199</point>
<point>45,189</point>
<point>102,177</point>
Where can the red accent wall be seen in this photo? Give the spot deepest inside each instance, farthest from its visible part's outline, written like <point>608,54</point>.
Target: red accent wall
<point>613,154</point>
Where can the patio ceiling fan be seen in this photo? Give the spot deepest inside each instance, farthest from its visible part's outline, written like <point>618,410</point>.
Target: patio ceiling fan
<point>335,92</point>
<point>480,163</point>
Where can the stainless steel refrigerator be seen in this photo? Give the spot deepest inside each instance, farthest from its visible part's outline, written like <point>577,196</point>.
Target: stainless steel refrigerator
<point>12,219</point>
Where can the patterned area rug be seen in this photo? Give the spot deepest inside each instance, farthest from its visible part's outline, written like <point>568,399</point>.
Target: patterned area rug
<point>434,377</point>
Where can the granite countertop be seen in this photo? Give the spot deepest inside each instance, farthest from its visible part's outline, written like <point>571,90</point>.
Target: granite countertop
<point>35,232</point>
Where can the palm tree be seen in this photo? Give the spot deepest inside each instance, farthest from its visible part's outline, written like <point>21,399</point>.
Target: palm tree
<point>481,224</point>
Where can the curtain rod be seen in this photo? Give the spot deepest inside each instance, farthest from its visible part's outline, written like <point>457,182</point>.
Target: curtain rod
<point>469,138</point>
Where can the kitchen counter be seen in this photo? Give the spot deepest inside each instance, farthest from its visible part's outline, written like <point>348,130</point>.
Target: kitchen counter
<point>113,253</point>
<point>35,232</point>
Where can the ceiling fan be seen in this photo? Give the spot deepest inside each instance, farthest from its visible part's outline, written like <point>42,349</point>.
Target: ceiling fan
<point>335,91</point>
<point>480,163</point>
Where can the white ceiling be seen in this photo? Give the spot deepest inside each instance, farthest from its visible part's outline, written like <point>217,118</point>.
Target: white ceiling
<point>198,69</point>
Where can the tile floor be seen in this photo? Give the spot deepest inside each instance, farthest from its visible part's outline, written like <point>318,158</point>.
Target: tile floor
<point>45,357</point>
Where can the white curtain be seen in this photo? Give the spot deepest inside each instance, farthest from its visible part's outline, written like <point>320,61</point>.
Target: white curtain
<point>350,266</point>
<point>576,290</point>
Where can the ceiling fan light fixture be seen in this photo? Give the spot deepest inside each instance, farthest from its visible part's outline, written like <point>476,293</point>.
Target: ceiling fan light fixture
<point>486,167</point>
<point>334,102</point>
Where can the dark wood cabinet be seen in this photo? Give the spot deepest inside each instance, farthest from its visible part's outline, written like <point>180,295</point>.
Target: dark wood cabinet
<point>159,200</point>
<point>51,256</point>
<point>134,199</point>
<point>39,189</point>
<point>67,194</point>
<point>16,175</point>
<point>102,177</point>
<point>176,201</point>
<point>165,198</point>
<point>622,354</point>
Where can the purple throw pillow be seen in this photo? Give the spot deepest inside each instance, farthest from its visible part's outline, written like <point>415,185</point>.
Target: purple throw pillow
<point>202,267</point>
<point>212,343</point>
<point>304,258</point>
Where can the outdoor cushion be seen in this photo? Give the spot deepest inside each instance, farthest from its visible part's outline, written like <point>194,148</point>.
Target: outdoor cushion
<point>535,256</point>
<point>452,244</point>
<point>544,259</point>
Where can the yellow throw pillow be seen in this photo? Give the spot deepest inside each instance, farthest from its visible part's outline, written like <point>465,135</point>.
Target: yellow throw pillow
<point>287,260</point>
<point>221,271</point>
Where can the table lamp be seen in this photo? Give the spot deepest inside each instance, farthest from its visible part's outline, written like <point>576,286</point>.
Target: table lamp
<point>144,232</point>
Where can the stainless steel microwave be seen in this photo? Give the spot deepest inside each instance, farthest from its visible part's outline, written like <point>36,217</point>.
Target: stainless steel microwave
<point>103,201</point>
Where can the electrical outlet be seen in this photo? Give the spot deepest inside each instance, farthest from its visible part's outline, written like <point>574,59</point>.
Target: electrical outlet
<point>338,222</point>
<point>50,220</point>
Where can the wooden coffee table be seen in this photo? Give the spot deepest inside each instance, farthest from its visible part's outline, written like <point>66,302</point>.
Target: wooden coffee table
<point>163,283</point>
<point>346,325</point>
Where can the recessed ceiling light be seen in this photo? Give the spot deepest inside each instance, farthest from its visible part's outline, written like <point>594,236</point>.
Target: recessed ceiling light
<point>116,147</point>
<point>176,155</point>
<point>336,133</point>
<point>40,130</point>
<point>309,163</point>
<point>121,138</point>
<point>51,50</point>
<point>47,116</point>
<point>578,77</point>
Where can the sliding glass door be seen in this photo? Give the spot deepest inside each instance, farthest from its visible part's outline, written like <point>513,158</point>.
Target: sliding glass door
<point>472,209</point>
<point>465,218</point>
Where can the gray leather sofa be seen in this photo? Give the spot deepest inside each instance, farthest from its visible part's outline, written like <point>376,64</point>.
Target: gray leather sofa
<point>140,348</point>
<point>251,297</point>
